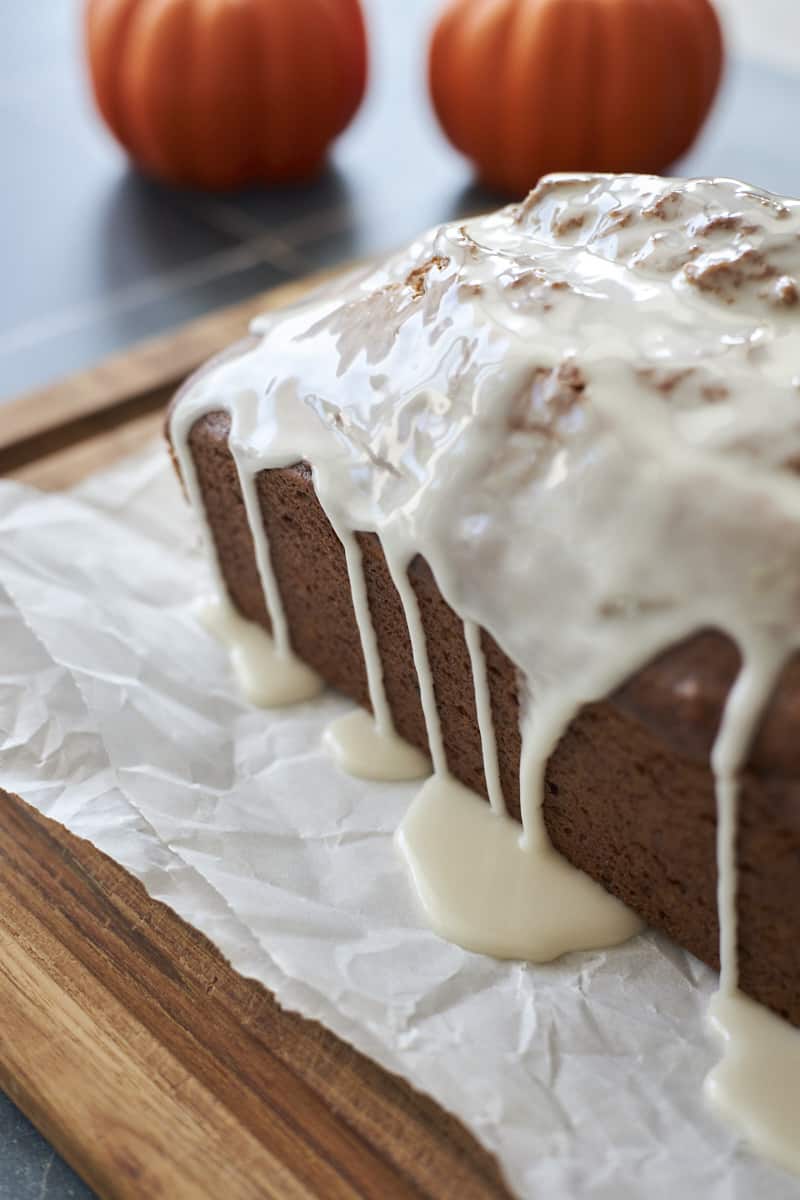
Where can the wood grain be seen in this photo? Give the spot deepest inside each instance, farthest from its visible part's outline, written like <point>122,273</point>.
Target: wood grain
<point>62,468</point>
<point>127,385</point>
<point>153,1067</point>
<point>157,1070</point>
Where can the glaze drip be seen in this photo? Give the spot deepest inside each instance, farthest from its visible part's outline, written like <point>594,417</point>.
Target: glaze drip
<point>369,644</point>
<point>398,569</point>
<point>483,707</point>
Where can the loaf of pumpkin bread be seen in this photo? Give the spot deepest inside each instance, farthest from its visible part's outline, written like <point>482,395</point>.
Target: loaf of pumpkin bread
<point>629,794</point>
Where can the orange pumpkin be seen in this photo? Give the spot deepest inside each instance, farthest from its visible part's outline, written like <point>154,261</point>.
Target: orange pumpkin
<point>523,87</point>
<point>219,93</point>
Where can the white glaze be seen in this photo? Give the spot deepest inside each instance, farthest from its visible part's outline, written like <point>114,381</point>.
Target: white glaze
<point>268,671</point>
<point>483,708</point>
<point>745,704</point>
<point>366,632</point>
<point>368,746</point>
<point>269,585</point>
<point>398,569</point>
<point>362,750</point>
<point>581,412</point>
<point>756,1084</point>
<point>267,678</point>
<point>481,888</point>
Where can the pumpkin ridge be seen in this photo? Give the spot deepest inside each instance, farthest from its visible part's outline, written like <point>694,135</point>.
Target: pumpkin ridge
<point>349,36</point>
<point>511,104</point>
<point>314,106</point>
<point>713,48</point>
<point>218,116</point>
<point>686,56</point>
<point>648,130</point>
<point>665,119</point>
<point>472,106</point>
<point>679,112</point>
<point>614,85</point>
<point>582,63</point>
<point>440,59</point>
<point>636,129</point>
<point>278,98</point>
<point>198,88</point>
<point>594,54</point>
<point>139,99</point>
<point>526,145</point>
<point>482,112</point>
<point>310,106</point>
<point>601,100</point>
<point>704,37</point>
<point>178,116</point>
<point>106,29</point>
<point>322,111</point>
<point>462,51</point>
<point>249,67</point>
<point>164,130</point>
<point>221,92</point>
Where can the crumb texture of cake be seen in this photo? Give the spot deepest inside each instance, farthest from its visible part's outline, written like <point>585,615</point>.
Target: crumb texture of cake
<point>548,532</point>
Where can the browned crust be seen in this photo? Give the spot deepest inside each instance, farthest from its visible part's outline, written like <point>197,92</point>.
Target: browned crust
<point>629,795</point>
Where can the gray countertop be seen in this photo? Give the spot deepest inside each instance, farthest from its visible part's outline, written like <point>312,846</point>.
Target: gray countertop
<point>94,257</point>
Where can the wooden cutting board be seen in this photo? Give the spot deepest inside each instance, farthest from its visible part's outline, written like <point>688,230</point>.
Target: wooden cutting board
<point>154,1068</point>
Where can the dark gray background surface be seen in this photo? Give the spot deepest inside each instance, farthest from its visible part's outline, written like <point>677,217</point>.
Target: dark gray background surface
<point>94,257</point>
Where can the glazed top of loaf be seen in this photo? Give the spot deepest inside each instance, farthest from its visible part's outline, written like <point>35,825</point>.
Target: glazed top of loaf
<point>584,410</point>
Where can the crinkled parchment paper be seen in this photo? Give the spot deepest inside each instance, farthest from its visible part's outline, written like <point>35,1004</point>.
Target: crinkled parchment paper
<point>119,718</point>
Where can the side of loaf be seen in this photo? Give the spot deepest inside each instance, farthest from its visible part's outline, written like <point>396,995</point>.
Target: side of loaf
<point>629,794</point>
